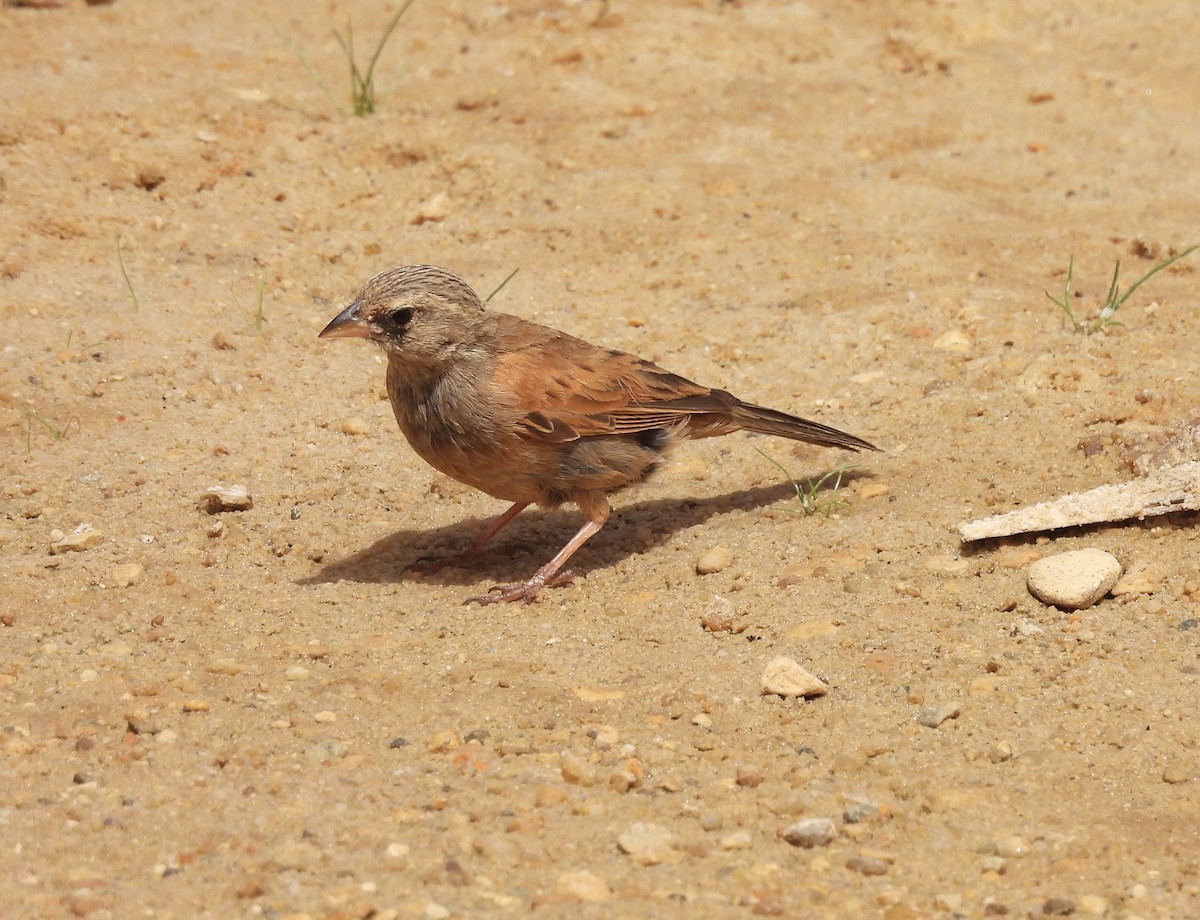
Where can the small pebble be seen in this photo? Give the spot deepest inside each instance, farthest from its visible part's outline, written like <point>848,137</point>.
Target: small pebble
<point>949,901</point>
<point>436,911</point>
<point>433,209</point>
<point>953,340</point>
<point>750,776</point>
<point>719,615</point>
<point>933,716</point>
<point>867,865</point>
<point>295,672</point>
<point>583,886</point>
<point>714,559</point>
<point>82,538</point>
<point>216,499</point>
<point>1093,905</point>
<point>355,426</point>
<point>738,840</point>
<point>858,812</point>
<point>442,742</point>
<point>1001,752</point>
<point>325,717</point>
<point>576,770</point>
<point>225,666</point>
<point>1176,772</point>
<point>785,677</point>
<point>1073,580</point>
<point>1058,907</point>
<point>196,706</point>
<point>809,832</point>
<point>1013,847</point>
<point>649,844</point>
<point>126,574</point>
<point>397,850</point>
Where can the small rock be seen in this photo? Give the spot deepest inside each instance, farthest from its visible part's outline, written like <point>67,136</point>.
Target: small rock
<point>1073,580</point>
<point>1093,905</point>
<point>933,716</point>
<point>867,865</point>
<point>1013,847</point>
<point>226,666</point>
<point>1176,772</point>
<point>325,717</point>
<point>809,832</point>
<point>355,426</point>
<point>738,840</point>
<point>720,615</point>
<point>750,776</point>
<point>1001,752</point>
<point>1058,907</point>
<point>785,677</point>
<point>714,559</point>
<point>434,208</point>
<point>442,742</point>
<point>583,886</point>
<point>80,539</point>
<point>954,340</point>
<point>577,770</point>
<point>950,901</point>
<point>216,499</point>
<point>296,673</point>
<point>649,844</point>
<point>126,574</point>
<point>196,706</point>
<point>858,812</point>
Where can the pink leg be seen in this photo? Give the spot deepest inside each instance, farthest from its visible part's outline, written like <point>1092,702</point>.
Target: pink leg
<point>595,508</point>
<point>475,550</point>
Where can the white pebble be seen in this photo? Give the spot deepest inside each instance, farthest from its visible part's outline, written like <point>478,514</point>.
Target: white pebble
<point>219,498</point>
<point>1013,847</point>
<point>714,559</point>
<point>785,677</point>
<point>80,539</point>
<point>1073,580</point>
<point>809,832</point>
<point>583,886</point>
<point>649,844</point>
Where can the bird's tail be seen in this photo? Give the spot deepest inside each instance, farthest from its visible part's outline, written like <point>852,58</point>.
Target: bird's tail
<point>770,421</point>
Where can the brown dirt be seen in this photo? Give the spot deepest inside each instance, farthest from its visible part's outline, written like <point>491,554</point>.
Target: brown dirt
<point>849,211</point>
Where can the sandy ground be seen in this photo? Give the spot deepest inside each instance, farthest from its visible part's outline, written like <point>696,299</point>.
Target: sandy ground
<point>849,211</point>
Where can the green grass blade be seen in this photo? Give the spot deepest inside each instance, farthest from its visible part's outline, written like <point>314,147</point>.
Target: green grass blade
<point>124,274</point>
<point>500,286</point>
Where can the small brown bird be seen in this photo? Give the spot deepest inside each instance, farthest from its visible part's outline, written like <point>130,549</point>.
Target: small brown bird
<point>530,414</point>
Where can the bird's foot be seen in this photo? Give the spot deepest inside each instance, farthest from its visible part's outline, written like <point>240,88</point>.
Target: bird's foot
<point>526,591</point>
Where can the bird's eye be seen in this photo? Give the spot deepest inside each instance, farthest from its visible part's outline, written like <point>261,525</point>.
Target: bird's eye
<point>400,318</point>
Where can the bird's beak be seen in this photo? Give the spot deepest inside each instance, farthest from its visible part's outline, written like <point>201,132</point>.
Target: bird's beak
<point>349,324</point>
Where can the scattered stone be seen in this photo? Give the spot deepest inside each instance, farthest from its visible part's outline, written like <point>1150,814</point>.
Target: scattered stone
<point>649,844</point>
<point>1073,580</point>
<point>196,706</point>
<point>397,743</point>
<point>1139,578</point>
<point>714,559</point>
<point>784,677</point>
<point>433,209</point>
<point>933,716</point>
<point>1001,752</point>
<point>355,426</point>
<point>1189,623</point>
<point>222,342</point>
<point>953,340</point>
<point>858,812</point>
<point>126,574</point>
<point>738,840</point>
<point>296,673</point>
<point>576,770</point>
<point>809,833</point>
<point>750,776</point>
<point>1058,907</point>
<point>216,499</point>
<point>226,666</point>
<point>720,615</point>
<point>442,742</point>
<point>867,865</point>
<point>82,538</point>
<point>325,717</point>
<point>1176,772</point>
<point>1014,847</point>
<point>1093,905</point>
<point>397,850</point>
<point>583,886</point>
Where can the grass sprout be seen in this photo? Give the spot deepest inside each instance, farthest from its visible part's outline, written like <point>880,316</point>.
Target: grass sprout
<point>1114,300</point>
<point>808,492</point>
<point>364,98</point>
<point>55,432</point>
<point>125,274</point>
<point>500,286</point>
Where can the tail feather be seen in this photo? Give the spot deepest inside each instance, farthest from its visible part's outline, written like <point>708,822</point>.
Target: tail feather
<point>770,421</point>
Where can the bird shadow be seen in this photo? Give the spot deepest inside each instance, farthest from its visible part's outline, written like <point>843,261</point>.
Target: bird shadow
<point>537,535</point>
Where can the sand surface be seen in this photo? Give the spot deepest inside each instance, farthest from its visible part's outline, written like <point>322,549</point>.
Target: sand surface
<point>846,210</point>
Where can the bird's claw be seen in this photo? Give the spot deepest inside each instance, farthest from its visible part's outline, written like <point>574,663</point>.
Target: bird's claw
<point>526,591</point>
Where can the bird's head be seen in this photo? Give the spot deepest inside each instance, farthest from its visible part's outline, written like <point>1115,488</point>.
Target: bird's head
<point>420,314</point>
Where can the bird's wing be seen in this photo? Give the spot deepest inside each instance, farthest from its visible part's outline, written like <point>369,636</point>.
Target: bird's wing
<point>566,388</point>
